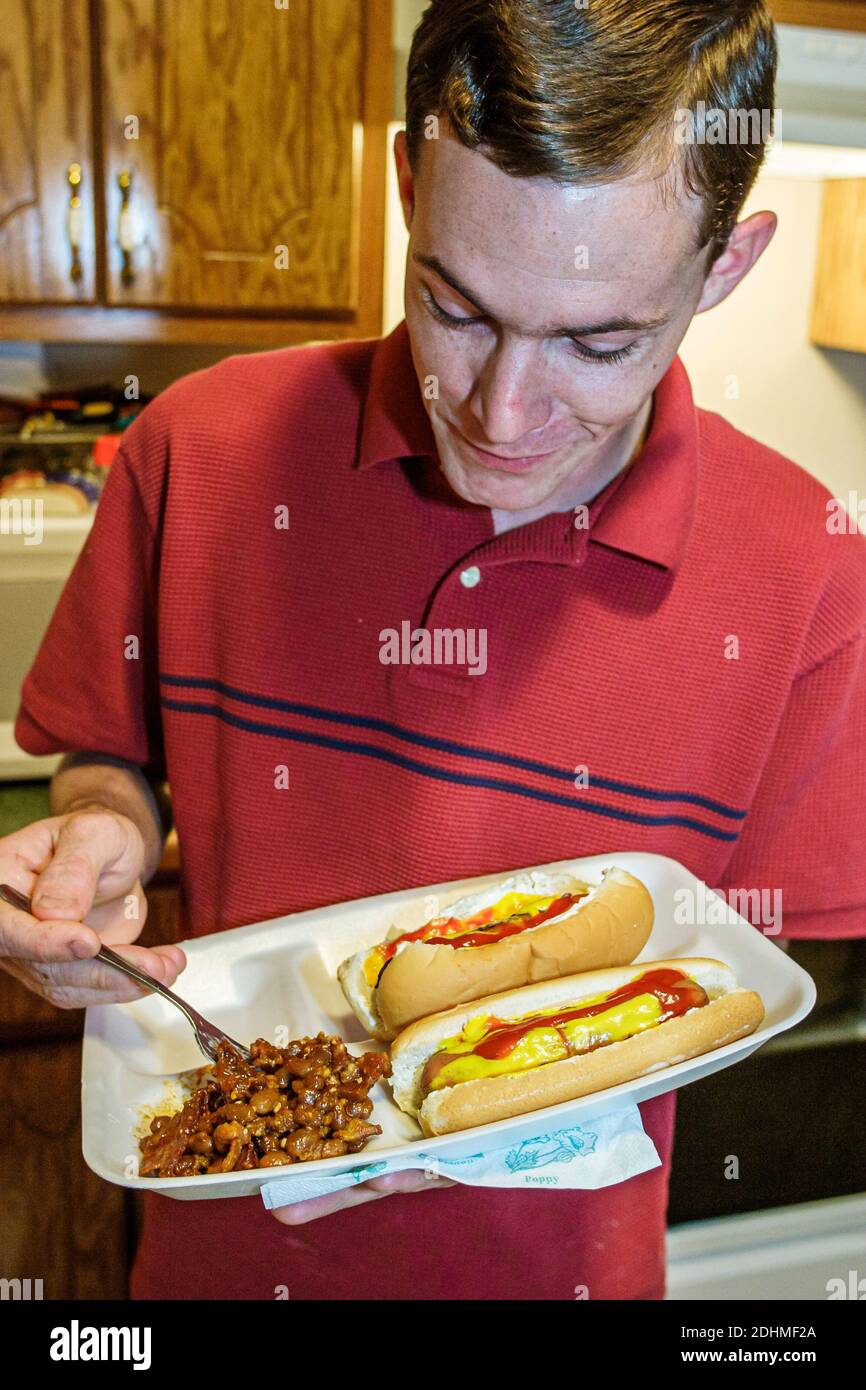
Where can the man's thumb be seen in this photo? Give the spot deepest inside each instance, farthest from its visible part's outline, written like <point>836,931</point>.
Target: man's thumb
<point>66,887</point>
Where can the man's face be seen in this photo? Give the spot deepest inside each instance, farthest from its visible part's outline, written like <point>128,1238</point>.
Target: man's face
<point>537,370</point>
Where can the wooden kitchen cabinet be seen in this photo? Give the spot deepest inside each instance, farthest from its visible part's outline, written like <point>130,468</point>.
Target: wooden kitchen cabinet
<point>247,152</point>
<point>839,300</point>
<point>821,14</point>
<point>233,169</point>
<point>47,240</point>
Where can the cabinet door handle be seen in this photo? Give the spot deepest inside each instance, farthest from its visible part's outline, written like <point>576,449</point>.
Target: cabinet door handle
<point>125,227</point>
<point>74,221</point>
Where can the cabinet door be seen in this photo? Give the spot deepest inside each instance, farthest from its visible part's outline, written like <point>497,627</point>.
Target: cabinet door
<point>236,127</point>
<point>821,14</point>
<point>46,154</point>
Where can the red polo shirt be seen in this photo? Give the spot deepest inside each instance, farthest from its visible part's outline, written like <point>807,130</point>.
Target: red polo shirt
<point>698,648</point>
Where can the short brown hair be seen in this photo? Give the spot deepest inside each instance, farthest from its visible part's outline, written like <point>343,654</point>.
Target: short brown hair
<point>587,94</point>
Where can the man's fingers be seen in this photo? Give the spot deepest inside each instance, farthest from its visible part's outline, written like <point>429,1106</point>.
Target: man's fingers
<point>120,921</point>
<point>299,1213</point>
<point>82,984</point>
<point>89,843</point>
<point>67,885</point>
<point>162,963</point>
<point>413,1180</point>
<point>28,938</point>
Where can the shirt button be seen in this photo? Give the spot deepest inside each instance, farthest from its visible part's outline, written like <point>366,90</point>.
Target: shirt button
<point>470,577</point>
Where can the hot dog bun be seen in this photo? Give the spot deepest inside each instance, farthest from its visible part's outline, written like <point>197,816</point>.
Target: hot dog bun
<point>731,1013</point>
<point>608,927</point>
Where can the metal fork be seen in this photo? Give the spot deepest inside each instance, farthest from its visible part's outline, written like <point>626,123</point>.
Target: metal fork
<point>206,1035</point>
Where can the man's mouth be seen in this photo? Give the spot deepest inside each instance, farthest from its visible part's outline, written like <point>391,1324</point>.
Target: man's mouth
<point>505,463</point>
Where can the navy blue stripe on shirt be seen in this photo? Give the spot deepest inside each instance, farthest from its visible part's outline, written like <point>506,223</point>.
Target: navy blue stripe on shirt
<point>441,774</point>
<point>444,745</point>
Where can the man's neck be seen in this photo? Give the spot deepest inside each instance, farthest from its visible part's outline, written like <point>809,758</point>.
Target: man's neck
<point>623,451</point>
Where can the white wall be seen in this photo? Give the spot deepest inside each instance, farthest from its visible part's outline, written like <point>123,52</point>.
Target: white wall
<point>406,15</point>
<point>750,358</point>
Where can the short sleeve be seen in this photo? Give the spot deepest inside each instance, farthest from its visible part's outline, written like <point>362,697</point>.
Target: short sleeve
<point>94,685</point>
<point>805,833</point>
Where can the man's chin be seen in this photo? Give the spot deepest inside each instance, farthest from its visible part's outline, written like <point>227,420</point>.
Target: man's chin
<point>502,492</point>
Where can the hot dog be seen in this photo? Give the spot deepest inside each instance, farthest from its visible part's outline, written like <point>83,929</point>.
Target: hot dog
<point>533,926</point>
<point>561,1039</point>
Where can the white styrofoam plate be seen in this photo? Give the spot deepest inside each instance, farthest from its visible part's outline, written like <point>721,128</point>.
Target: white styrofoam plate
<point>278,978</point>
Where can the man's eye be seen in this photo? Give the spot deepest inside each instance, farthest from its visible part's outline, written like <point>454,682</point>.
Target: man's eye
<point>588,354</point>
<point>452,320</point>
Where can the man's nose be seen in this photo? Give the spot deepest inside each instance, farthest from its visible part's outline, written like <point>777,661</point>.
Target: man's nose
<point>508,402</point>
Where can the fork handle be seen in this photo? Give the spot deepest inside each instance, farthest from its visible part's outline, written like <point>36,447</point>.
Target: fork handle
<point>141,977</point>
<point>205,1034</point>
<point>109,957</point>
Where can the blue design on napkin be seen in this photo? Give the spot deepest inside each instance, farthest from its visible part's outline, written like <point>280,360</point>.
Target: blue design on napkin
<point>618,1148</point>
<point>453,1162</point>
<point>562,1146</point>
<point>372,1170</point>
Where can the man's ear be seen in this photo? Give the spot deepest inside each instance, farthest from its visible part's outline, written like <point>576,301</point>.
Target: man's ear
<point>746,245</point>
<point>405,177</point>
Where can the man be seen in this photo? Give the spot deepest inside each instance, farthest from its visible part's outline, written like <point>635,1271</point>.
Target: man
<point>674,640</point>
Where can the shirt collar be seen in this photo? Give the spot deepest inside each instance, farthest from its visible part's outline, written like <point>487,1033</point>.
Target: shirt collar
<point>395,424</point>
<point>648,511</point>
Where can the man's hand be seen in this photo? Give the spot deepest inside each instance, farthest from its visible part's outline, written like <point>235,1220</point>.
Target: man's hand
<point>82,871</point>
<point>298,1213</point>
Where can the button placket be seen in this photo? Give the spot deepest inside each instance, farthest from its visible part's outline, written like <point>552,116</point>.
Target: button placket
<point>449,607</point>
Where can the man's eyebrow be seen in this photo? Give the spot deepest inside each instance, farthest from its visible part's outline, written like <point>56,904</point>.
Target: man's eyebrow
<point>623,323</point>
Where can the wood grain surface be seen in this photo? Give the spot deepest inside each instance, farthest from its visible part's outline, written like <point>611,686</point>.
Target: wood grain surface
<point>839,302</point>
<point>45,119</point>
<point>255,138</point>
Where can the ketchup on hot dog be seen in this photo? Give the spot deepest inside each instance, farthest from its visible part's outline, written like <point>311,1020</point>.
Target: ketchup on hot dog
<point>674,992</point>
<point>458,932</point>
